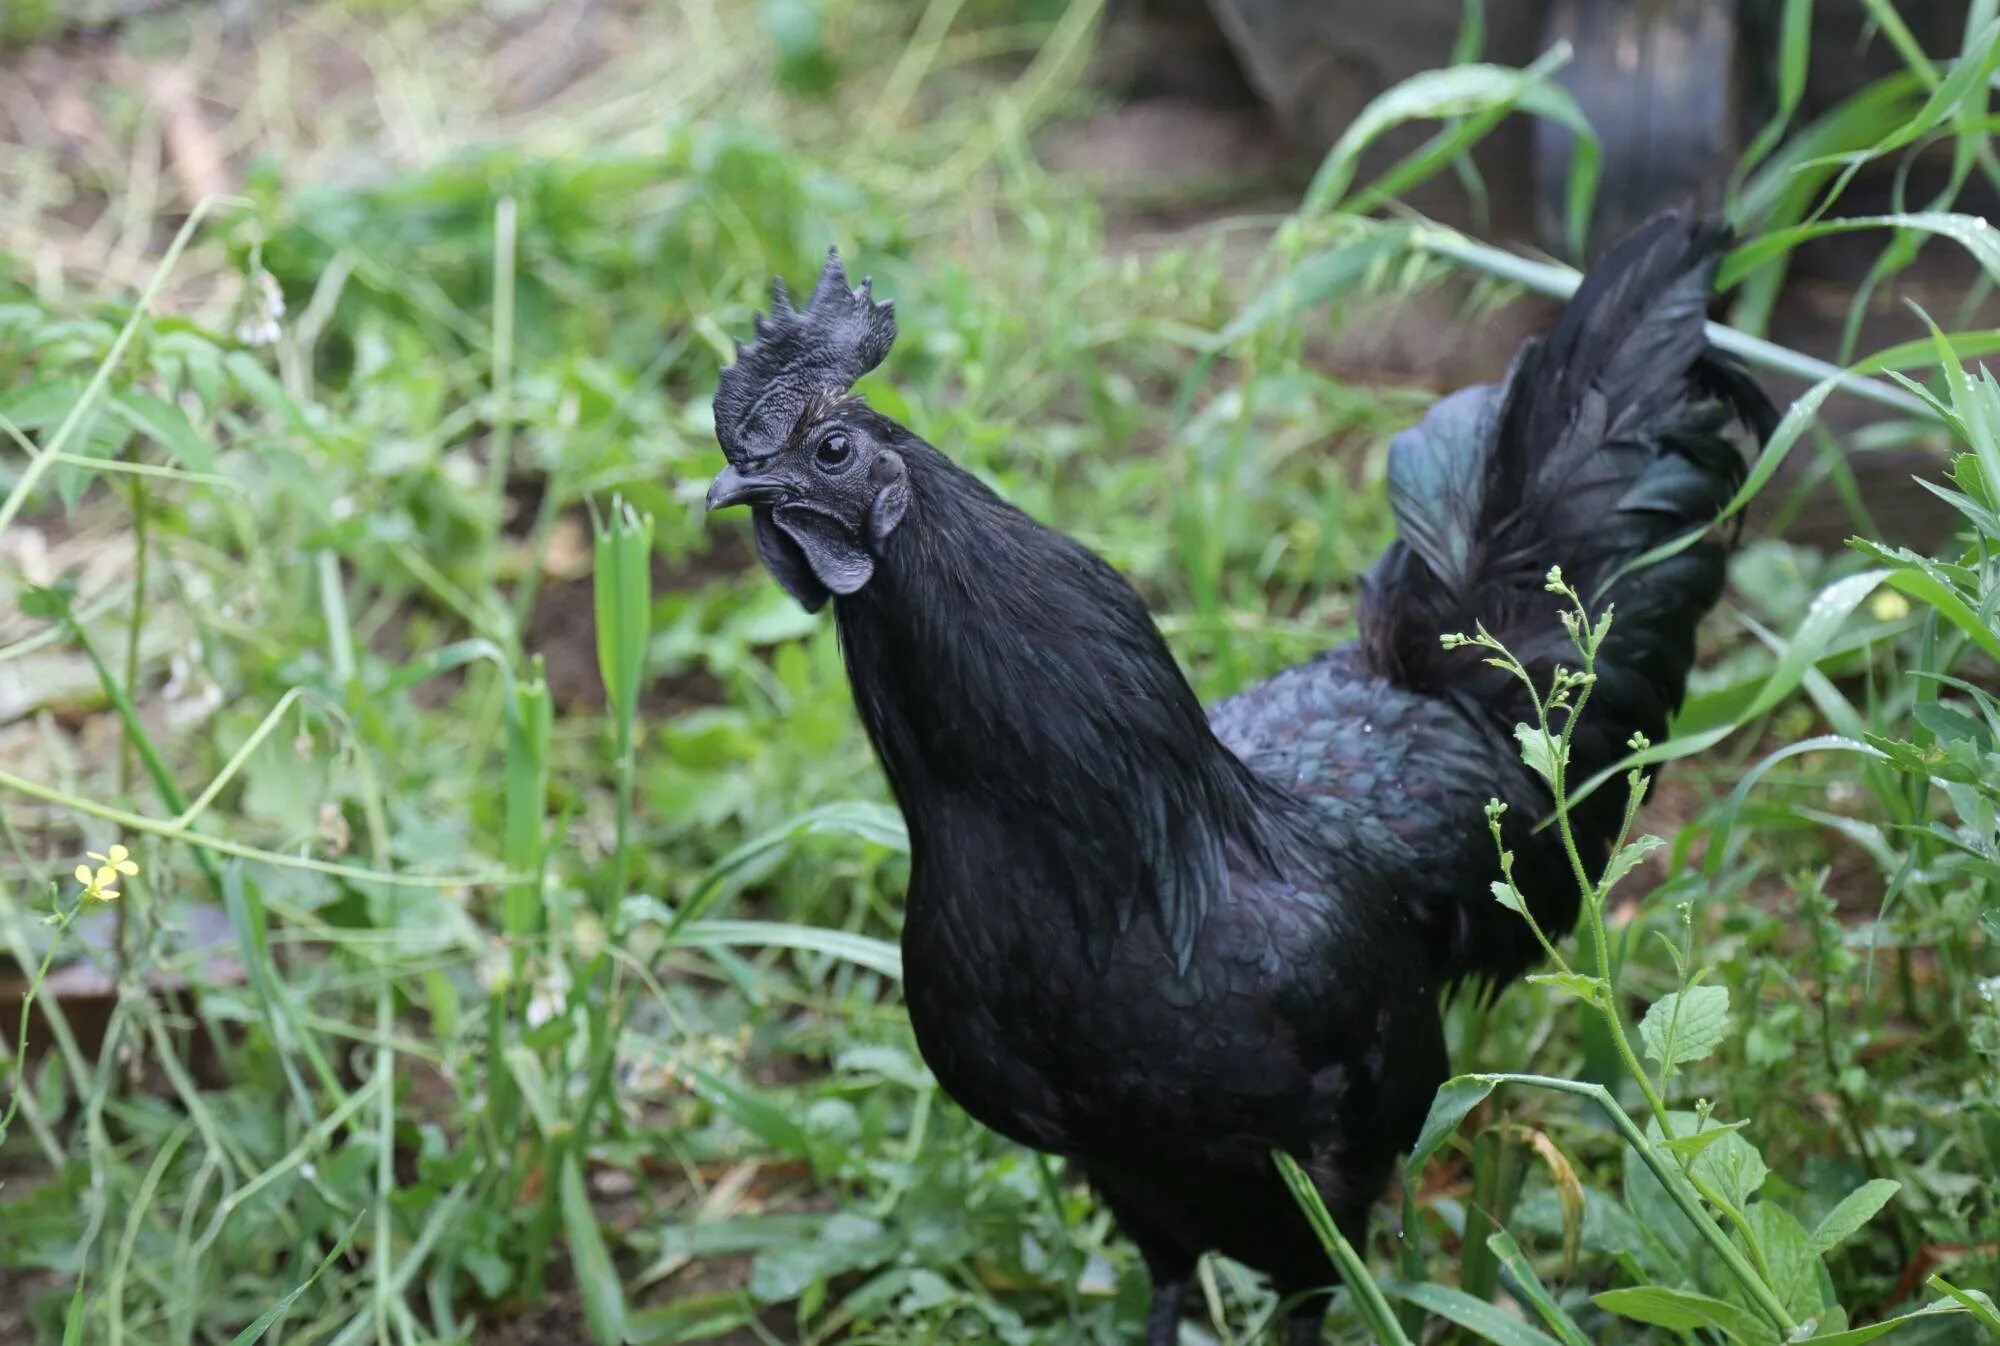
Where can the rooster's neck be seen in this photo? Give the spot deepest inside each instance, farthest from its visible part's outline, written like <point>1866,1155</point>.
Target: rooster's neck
<point>1013,684</point>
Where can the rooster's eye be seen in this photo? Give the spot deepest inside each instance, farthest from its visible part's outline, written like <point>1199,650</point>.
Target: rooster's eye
<point>833,452</point>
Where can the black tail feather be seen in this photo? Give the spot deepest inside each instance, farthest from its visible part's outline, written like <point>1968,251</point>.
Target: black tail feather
<point>1612,434</point>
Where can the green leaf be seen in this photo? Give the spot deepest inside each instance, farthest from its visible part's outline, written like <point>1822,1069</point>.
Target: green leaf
<point>774,1125</point>
<point>1793,1267</point>
<point>1855,1210</point>
<point>1508,896</point>
<point>1686,1026</point>
<point>1922,578</point>
<point>874,823</point>
<point>1704,722</point>
<point>1875,1331</point>
<point>1590,990</point>
<point>1317,278</point>
<point>165,423</point>
<point>1722,1158</point>
<point>1540,750</point>
<point>1689,1146</point>
<point>1474,1315</point>
<point>1970,232</point>
<point>1684,1311</point>
<point>1732,1168</point>
<point>1457,91</point>
<point>1455,1098</point>
<point>877,955</point>
<point>262,1323</point>
<point>1628,858</point>
<point>596,1277</point>
<point>1527,1285</point>
<point>73,1320</point>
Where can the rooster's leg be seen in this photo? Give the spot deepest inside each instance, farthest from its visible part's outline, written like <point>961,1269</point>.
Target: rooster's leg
<point>1163,1320</point>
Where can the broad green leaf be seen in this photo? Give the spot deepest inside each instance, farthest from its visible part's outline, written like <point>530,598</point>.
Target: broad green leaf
<point>1455,1098</point>
<point>1732,1168</point>
<point>1686,1026</point>
<point>1794,1268</point>
<point>1727,1164</point>
<point>875,823</point>
<point>1508,896</point>
<point>1975,1302</point>
<point>1855,1210</point>
<point>596,1275</point>
<point>1685,1311</point>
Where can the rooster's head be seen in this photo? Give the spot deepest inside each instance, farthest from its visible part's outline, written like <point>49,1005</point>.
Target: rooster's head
<point>813,462</point>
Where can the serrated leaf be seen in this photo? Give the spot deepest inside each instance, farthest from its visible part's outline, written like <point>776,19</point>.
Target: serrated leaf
<point>596,1277</point>
<point>1684,1312</point>
<point>1628,858</point>
<point>1455,1098</point>
<point>1856,1209</point>
<point>1733,1168</point>
<point>1685,1026</point>
<point>1793,1266</point>
<point>1508,896</point>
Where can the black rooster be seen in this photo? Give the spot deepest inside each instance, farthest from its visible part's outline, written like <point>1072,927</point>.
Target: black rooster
<point>1162,942</point>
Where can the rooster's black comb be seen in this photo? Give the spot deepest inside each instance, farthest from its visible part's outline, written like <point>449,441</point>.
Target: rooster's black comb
<point>799,355</point>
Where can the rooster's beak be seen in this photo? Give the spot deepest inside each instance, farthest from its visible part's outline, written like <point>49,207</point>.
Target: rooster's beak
<point>731,487</point>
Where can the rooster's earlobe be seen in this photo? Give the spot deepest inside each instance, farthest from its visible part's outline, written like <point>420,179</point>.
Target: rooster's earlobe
<point>892,495</point>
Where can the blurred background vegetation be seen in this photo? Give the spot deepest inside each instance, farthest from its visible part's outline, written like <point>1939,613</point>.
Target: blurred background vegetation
<point>511,956</point>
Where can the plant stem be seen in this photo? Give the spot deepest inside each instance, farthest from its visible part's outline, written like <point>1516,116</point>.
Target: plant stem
<point>1677,1186</point>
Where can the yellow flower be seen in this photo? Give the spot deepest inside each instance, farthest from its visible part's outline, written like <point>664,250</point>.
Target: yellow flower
<point>112,863</point>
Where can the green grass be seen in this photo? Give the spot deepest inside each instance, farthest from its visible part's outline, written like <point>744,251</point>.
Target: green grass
<point>542,977</point>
